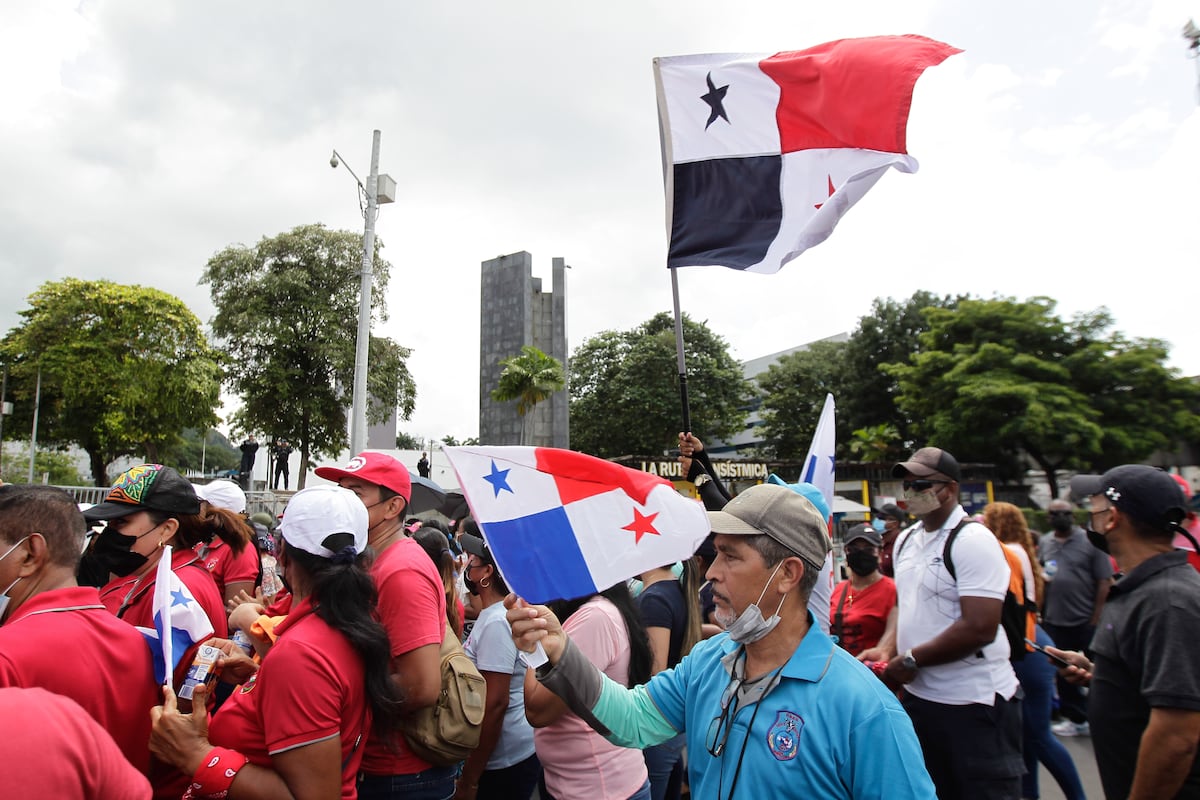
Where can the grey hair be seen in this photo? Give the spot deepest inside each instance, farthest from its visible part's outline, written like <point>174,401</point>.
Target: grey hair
<point>772,552</point>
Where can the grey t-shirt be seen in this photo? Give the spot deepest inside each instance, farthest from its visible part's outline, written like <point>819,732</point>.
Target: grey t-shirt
<point>1072,568</point>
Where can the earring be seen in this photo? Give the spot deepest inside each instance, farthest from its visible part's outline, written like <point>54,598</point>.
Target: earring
<point>483,584</point>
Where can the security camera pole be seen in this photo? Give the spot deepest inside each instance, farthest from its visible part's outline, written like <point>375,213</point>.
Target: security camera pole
<point>358,403</point>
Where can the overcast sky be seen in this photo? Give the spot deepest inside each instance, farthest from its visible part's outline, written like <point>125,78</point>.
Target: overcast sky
<point>1059,156</point>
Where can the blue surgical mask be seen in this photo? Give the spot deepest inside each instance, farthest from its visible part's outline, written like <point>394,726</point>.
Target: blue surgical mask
<point>750,626</point>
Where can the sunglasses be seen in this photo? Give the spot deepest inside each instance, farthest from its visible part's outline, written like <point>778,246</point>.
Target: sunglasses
<point>920,485</point>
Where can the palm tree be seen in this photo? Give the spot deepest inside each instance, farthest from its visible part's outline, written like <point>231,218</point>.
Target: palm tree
<point>529,379</point>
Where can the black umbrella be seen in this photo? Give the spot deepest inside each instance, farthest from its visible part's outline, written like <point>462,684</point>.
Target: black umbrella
<point>426,495</point>
<point>455,506</point>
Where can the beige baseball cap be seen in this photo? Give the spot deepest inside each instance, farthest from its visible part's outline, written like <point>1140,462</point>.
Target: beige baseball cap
<point>784,515</point>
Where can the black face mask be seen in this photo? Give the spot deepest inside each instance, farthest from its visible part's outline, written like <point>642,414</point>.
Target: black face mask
<point>1098,540</point>
<point>1062,522</point>
<point>112,552</point>
<point>862,562</point>
<point>471,585</point>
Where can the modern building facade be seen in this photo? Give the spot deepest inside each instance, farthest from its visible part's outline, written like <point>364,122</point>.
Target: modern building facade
<point>515,312</point>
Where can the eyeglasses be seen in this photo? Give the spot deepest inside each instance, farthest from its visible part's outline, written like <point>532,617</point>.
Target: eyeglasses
<point>920,485</point>
<point>718,729</point>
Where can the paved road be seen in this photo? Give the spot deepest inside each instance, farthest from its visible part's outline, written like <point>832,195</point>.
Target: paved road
<point>1080,748</point>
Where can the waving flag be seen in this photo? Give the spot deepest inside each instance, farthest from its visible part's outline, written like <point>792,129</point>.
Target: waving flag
<point>561,524</point>
<point>819,464</point>
<point>179,621</point>
<point>763,154</point>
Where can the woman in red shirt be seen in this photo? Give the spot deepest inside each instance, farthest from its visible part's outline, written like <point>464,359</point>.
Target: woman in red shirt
<point>862,612</point>
<point>296,727</point>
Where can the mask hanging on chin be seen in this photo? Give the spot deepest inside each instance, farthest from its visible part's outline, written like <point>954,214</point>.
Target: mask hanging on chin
<point>750,626</point>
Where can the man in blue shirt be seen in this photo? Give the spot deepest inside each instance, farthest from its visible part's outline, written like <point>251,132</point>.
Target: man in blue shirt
<point>770,708</point>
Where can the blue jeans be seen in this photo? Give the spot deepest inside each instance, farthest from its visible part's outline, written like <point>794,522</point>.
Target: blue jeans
<point>1037,674</point>
<point>660,761</point>
<point>435,783</point>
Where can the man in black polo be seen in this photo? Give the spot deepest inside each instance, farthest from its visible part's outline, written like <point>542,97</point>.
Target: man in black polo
<point>1144,702</point>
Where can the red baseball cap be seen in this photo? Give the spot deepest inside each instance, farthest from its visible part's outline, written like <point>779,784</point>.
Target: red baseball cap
<point>377,468</point>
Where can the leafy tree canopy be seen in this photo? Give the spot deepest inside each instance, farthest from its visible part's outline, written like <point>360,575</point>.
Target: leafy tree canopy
<point>625,388</point>
<point>123,370</point>
<point>998,380</point>
<point>287,313</point>
<point>794,392</point>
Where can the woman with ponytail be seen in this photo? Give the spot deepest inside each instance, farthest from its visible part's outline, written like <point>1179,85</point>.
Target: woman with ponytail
<point>577,761</point>
<point>670,608</point>
<point>296,727</point>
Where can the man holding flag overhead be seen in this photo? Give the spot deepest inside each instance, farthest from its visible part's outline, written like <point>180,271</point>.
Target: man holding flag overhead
<point>57,635</point>
<point>772,706</point>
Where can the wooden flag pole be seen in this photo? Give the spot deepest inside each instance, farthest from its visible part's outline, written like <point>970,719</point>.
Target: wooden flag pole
<point>683,394</point>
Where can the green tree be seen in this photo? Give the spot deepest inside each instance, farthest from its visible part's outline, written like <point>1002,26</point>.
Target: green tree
<point>210,453</point>
<point>876,444</point>
<point>123,370</point>
<point>58,466</point>
<point>794,392</point>
<point>529,379</point>
<point>625,388</point>
<point>890,333</point>
<point>287,313</point>
<point>1005,381</point>
<point>406,441</point>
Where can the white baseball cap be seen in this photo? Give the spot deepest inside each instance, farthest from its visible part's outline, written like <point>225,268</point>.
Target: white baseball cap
<point>222,494</point>
<point>319,512</point>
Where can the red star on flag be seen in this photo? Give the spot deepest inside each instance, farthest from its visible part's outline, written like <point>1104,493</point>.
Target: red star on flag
<point>641,525</point>
<point>831,191</point>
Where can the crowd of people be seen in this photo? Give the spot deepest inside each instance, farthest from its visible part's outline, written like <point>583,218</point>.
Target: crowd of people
<point>745,671</point>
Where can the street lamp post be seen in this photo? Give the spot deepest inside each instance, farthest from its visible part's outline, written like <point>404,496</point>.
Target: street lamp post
<point>358,402</point>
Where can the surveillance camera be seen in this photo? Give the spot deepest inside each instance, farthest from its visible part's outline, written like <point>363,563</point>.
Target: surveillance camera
<point>333,161</point>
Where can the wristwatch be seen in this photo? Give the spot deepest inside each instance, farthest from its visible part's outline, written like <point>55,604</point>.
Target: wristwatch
<point>908,661</point>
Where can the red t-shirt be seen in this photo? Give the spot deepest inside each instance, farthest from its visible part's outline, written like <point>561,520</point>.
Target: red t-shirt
<point>308,689</point>
<point>228,567</point>
<point>50,748</point>
<point>66,641</point>
<point>412,607</point>
<point>864,613</point>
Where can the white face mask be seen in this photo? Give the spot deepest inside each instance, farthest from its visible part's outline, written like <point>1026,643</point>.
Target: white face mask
<point>921,503</point>
<point>750,626</point>
<point>4,598</point>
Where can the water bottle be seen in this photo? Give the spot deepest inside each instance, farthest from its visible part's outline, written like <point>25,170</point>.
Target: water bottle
<point>1050,569</point>
<point>243,641</point>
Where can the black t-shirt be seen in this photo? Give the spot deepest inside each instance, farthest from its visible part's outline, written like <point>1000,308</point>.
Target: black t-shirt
<point>1144,655</point>
<point>662,606</point>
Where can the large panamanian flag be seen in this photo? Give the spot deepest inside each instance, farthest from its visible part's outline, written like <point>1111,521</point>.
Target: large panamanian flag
<point>562,524</point>
<point>763,154</point>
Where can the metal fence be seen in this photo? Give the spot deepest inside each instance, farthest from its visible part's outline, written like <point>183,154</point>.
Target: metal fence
<point>270,502</point>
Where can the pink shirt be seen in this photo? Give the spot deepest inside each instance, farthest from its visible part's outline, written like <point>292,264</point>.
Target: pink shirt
<point>578,762</point>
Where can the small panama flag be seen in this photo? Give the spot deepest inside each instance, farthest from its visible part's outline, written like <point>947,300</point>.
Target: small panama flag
<point>179,621</point>
<point>562,524</point>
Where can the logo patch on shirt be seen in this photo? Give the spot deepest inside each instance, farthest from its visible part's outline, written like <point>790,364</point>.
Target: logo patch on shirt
<point>248,686</point>
<point>784,736</point>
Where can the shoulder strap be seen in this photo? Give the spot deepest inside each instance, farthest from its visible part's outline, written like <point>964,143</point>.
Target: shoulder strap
<point>907,534</point>
<point>946,558</point>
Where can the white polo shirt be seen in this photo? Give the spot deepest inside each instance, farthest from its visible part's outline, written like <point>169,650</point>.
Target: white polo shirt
<point>928,602</point>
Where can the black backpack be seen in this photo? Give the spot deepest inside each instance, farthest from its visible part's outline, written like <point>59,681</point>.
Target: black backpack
<point>1017,615</point>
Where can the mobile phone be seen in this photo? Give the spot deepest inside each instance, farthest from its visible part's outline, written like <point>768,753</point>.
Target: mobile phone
<point>1055,660</point>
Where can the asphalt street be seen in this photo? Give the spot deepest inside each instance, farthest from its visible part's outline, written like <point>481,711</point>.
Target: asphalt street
<point>1080,748</point>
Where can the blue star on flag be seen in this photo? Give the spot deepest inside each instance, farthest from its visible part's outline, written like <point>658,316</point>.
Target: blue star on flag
<point>178,598</point>
<point>499,480</point>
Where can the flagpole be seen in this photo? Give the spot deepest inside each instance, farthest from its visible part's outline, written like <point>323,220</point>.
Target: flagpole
<point>664,143</point>
<point>683,394</point>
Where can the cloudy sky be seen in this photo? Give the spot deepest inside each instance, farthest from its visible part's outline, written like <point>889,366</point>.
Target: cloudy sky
<point>1059,155</point>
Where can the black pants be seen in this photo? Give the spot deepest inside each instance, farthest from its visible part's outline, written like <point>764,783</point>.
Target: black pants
<point>972,752</point>
<point>510,783</point>
<point>1072,703</point>
<point>281,468</point>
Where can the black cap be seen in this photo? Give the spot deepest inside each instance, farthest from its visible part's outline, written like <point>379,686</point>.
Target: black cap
<point>929,462</point>
<point>863,531</point>
<point>891,510</point>
<point>477,547</point>
<point>1145,493</point>
<point>147,486</point>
